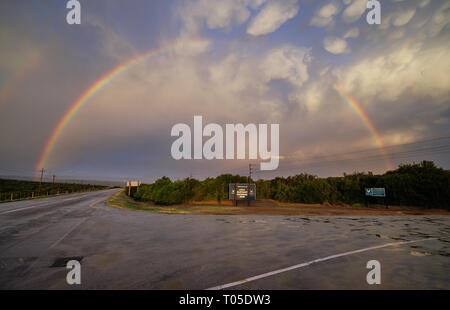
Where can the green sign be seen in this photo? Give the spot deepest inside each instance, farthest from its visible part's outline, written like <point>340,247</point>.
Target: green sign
<point>375,191</point>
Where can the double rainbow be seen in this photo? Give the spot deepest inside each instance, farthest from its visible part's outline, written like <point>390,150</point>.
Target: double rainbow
<point>108,77</point>
<point>96,87</point>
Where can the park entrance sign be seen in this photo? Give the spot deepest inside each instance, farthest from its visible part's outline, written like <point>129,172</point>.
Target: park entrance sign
<point>131,184</point>
<point>240,191</point>
<point>375,192</point>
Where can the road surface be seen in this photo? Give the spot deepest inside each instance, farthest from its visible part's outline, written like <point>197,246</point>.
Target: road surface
<point>123,249</point>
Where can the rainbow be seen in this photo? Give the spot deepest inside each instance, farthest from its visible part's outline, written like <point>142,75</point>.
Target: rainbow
<point>96,87</point>
<point>367,122</point>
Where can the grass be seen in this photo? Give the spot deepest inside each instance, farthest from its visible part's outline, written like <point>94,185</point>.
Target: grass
<point>357,205</point>
<point>121,200</point>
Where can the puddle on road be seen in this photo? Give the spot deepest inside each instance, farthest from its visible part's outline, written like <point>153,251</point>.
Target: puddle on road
<point>418,253</point>
<point>376,230</point>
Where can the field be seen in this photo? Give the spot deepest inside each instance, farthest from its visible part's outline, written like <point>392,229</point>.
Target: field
<point>266,207</point>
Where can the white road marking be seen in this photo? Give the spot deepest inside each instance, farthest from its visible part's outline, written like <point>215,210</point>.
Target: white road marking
<point>268,274</point>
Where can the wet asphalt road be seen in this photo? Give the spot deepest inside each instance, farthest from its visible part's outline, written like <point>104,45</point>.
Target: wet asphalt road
<point>124,249</point>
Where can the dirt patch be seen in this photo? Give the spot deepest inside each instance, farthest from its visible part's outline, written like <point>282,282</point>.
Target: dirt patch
<point>266,207</point>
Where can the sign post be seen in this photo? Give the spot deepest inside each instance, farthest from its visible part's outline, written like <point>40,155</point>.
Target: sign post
<point>376,192</point>
<point>131,184</point>
<point>235,191</point>
<point>241,191</point>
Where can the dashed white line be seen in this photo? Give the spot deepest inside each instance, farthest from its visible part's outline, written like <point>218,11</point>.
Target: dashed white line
<point>268,274</point>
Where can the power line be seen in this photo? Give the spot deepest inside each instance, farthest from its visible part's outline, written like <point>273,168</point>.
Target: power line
<point>396,155</point>
<point>377,149</point>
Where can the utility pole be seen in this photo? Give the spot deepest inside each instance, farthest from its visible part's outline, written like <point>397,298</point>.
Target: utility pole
<point>235,192</point>
<point>187,191</point>
<point>248,186</point>
<point>40,182</point>
<point>53,182</point>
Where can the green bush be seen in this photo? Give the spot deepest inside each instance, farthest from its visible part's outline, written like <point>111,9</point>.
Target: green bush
<point>415,184</point>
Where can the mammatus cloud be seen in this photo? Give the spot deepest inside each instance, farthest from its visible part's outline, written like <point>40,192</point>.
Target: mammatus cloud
<point>335,45</point>
<point>272,16</point>
<point>325,15</point>
<point>439,20</point>
<point>352,33</point>
<point>354,11</point>
<point>403,17</point>
<point>213,14</point>
<point>398,75</point>
<point>424,3</point>
<point>408,67</point>
<point>287,62</point>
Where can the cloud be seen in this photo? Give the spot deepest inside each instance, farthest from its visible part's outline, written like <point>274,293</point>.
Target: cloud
<point>325,15</point>
<point>272,16</point>
<point>241,77</point>
<point>335,45</point>
<point>112,44</point>
<point>124,128</point>
<point>354,11</point>
<point>310,98</point>
<point>352,33</point>
<point>214,14</point>
<point>424,3</point>
<point>439,20</point>
<point>407,67</point>
<point>403,17</point>
<point>288,63</point>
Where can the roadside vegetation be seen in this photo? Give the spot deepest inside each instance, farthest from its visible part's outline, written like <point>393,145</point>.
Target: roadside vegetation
<point>19,190</point>
<point>263,207</point>
<point>422,185</point>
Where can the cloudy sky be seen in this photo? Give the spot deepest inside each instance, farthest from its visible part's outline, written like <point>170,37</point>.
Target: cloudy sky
<point>242,61</point>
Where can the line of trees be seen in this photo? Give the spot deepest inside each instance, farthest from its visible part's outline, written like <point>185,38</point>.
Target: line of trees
<point>421,184</point>
<point>18,189</point>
